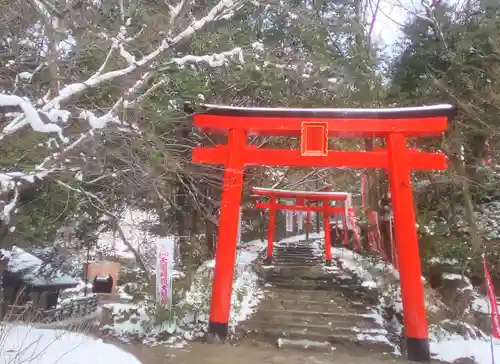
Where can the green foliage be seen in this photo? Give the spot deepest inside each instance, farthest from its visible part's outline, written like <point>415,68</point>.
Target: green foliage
<point>45,209</point>
<point>453,58</point>
<point>22,152</point>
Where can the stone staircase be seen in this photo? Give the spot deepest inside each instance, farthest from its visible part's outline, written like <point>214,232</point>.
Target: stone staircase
<point>309,305</point>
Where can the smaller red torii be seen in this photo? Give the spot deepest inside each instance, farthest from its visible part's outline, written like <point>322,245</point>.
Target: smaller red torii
<point>302,200</point>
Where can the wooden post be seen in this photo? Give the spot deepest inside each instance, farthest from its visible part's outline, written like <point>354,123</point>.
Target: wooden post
<point>270,230</point>
<point>415,320</point>
<point>225,254</point>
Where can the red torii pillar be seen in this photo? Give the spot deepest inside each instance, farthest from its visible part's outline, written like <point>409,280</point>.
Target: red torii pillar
<point>308,224</point>
<point>314,126</point>
<point>226,244</point>
<point>328,233</point>
<point>300,205</point>
<point>271,225</point>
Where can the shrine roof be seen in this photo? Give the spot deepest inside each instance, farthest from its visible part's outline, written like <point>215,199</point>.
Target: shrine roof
<point>33,271</point>
<point>447,110</point>
<point>261,191</point>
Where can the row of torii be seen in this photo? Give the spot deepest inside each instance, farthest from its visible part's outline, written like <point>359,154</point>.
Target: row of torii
<point>328,203</point>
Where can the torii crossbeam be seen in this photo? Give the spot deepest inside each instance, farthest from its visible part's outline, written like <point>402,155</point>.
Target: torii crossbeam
<point>314,127</point>
<point>303,201</point>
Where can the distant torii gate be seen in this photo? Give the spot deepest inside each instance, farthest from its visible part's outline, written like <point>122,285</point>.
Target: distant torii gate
<point>301,204</point>
<point>314,126</point>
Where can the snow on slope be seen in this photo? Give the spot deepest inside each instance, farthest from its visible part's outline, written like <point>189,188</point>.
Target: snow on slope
<point>28,345</point>
<point>193,307</point>
<point>445,346</point>
<point>454,346</point>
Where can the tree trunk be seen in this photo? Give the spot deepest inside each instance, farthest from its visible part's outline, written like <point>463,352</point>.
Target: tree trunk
<point>454,155</point>
<point>210,237</point>
<point>463,181</point>
<point>475,153</point>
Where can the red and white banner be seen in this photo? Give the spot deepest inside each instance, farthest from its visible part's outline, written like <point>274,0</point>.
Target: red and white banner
<point>495,320</point>
<point>165,249</point>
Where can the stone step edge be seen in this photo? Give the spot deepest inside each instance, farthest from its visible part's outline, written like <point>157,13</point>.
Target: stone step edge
<point>329,328</point>
<point>312,287</point>
<point>276,291</point>
<point>273,303</point>
<point>349,336</point>
<point>304,344</point>
<point>279,312</point>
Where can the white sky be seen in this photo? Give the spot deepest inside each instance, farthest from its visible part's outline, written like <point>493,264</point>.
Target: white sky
<point>386,28</point>
<point>392,13</point>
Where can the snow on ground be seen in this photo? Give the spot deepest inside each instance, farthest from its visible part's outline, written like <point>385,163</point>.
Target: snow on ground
<point>372,273</point>
<point>28,345</point>
<point>453,346</point>
<point>188,318</point>
<point>487,218</point>
<point>245,296</point>
<point>445,346</point>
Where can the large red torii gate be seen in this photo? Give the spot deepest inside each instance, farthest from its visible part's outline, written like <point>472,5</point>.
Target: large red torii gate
<point>301,199</point>
<point>314,126</point>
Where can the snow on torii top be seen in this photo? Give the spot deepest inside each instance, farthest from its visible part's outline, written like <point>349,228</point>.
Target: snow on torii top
<point>412,121</point>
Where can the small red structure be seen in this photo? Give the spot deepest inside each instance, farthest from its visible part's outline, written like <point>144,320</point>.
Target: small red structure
<point>304,201</point>
<point>393,124</point>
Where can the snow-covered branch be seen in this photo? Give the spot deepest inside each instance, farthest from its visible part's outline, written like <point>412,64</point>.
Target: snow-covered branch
<point>101,206</point>
<point>7,210</point>
<point>72,90</point>
<point>48,107</point>
<point>133,95</point>
<point>175,10</point>
<point>101,76</point>
<point>213,60</point>
<point>31,117</point>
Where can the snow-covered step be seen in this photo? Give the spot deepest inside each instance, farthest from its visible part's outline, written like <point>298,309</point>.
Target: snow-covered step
<point>348,298</point>
<point>295,249</point>
<point>318,324</point>
<point>298,247</point>
<point>304,301</point>
<point>308,272</point>
<point>279,262</point>
<point>295,255</point>
<point>322,346</point>
<point>307,243</point>
<point>337,304</point>
<point>321,315</point>
<point>311,284</point>
<point>303,271</point>
<point>345,337</point>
